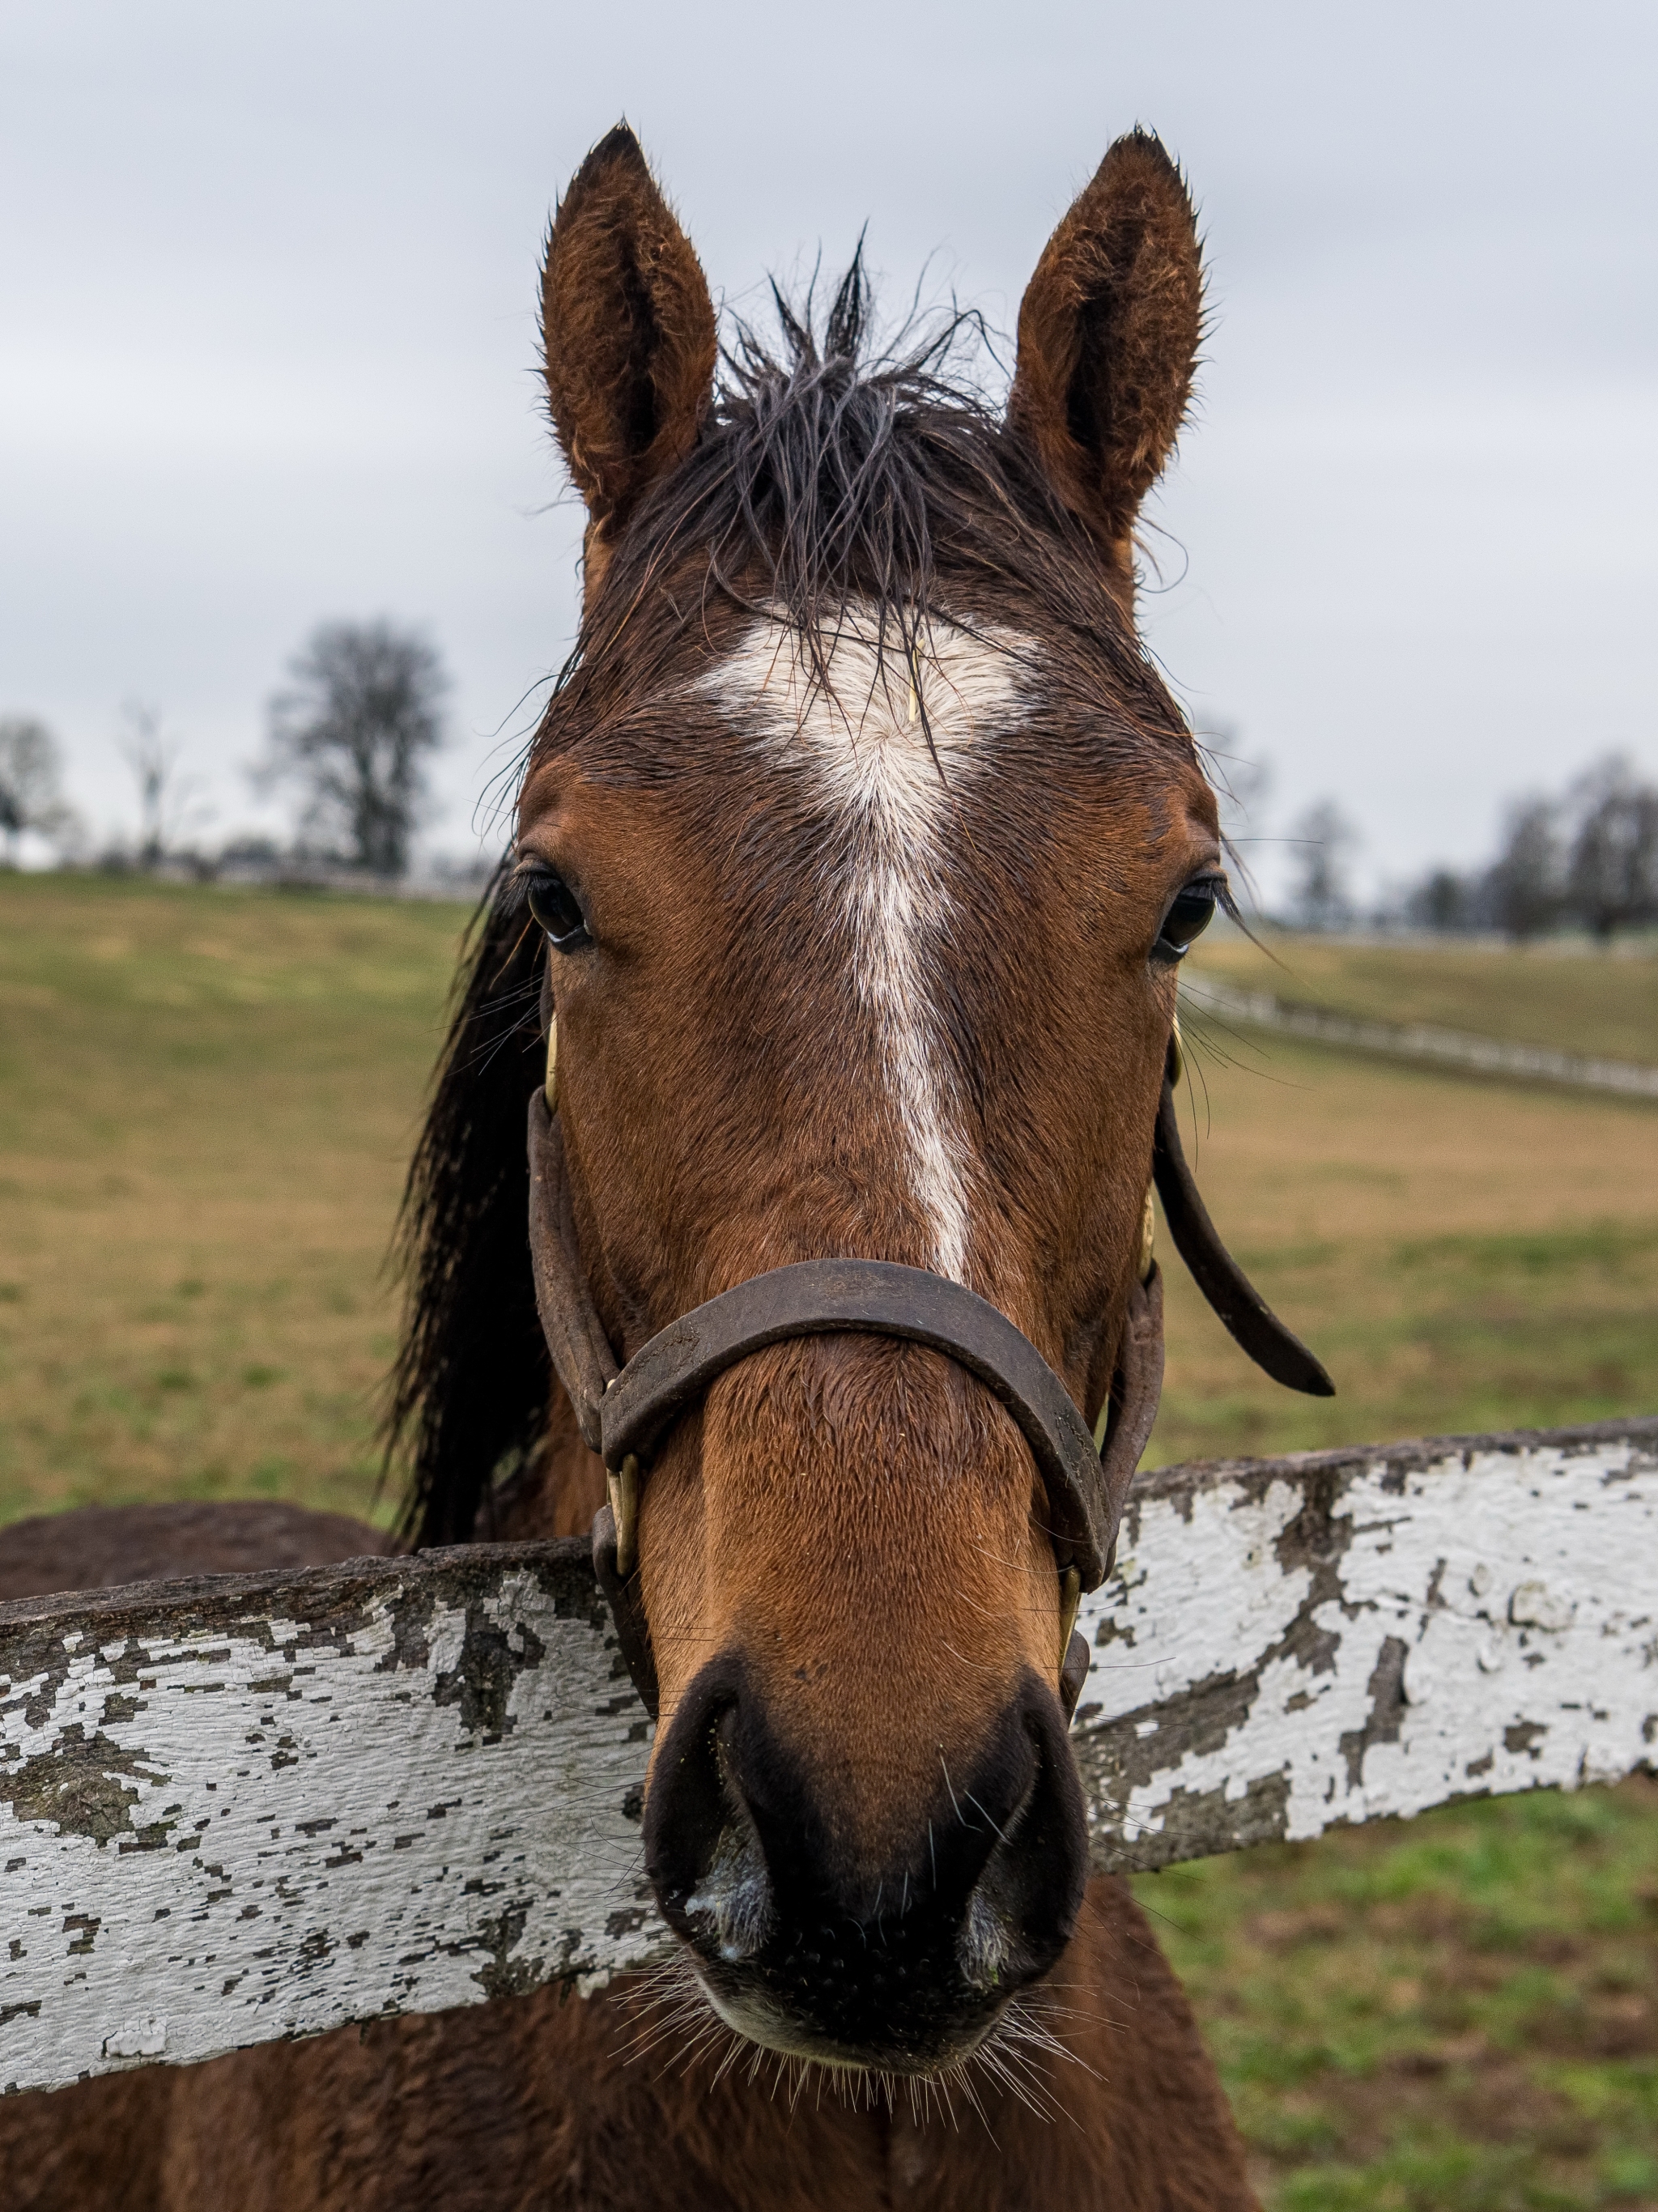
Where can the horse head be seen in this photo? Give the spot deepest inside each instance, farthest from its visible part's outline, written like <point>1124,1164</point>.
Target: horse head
<point>856,855</point>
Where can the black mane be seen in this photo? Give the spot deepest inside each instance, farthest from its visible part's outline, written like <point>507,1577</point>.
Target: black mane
<point>470,1393</point>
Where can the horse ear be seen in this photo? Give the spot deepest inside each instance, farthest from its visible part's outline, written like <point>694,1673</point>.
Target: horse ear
<point>628,330</point>
<point>1109,330</point>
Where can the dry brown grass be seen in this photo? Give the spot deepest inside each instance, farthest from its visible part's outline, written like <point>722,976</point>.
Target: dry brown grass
<point>1462,1255</point>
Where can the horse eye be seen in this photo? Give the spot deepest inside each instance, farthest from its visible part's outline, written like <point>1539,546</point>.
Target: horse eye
<point>1192,911</point>
<point>554,906</point>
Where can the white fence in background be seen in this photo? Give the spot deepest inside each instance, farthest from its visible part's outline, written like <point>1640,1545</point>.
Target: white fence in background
<point>1421,1041</point>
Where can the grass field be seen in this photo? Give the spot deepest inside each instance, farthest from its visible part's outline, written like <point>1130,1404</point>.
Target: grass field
<point>1575,998</point>
<point>207,1098</point>
<point>1462,1255</point>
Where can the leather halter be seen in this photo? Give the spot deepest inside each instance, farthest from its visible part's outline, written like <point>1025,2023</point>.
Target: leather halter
<point>1246,1315</point>
<point>623,1411</point>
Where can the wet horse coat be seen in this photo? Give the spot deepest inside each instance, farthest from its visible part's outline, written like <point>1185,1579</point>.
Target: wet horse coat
<point>855,857</point>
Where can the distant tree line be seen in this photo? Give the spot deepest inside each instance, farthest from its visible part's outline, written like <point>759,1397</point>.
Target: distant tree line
<point>351,732</point>
<point>1586,860</point>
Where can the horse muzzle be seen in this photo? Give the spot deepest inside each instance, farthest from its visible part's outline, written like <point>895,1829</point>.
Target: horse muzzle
<point>809,1940</point>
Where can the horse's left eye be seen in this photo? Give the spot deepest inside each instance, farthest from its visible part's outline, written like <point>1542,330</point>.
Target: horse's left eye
<point>1192,911</point>
<point>555,906</point>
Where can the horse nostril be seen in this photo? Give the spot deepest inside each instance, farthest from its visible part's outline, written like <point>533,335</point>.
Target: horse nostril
<point>1023,1907</point>
<point>985,1949</point>
<point>732,1907</point>
<point>989,1939</point>
<point>703,1850</point>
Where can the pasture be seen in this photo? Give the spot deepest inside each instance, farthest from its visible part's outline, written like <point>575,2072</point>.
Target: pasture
<point>206,1100</point>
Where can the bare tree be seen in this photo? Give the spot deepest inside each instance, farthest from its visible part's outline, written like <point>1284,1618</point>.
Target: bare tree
<point>31,766</point>
<point>1444,900</point>
<point>1612,879</point>
<point>1321,897</point>
<point>169,801</point>
<point>1526,887</point>
<point>364,709</point>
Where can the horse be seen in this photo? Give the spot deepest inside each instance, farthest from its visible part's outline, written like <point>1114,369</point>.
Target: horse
<point>835,962</point>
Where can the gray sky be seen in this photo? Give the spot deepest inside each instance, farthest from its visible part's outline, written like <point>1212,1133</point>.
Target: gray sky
<point>267,344</point>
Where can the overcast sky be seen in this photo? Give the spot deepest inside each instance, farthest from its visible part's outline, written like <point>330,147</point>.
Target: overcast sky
<point>267,345</point>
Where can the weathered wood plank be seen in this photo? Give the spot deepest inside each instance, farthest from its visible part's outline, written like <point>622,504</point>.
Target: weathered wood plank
<point>1291,1645</point>
<point>260,1806</point>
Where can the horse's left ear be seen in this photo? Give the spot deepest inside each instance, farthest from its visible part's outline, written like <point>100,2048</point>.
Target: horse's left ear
<point>1109,330</point>
<point>627,328</point>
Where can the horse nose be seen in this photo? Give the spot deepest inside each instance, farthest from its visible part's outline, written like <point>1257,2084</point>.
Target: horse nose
<point>809,1938</point>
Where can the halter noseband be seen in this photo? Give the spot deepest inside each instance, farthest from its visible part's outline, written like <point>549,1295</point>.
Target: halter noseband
<point>623,1411</point>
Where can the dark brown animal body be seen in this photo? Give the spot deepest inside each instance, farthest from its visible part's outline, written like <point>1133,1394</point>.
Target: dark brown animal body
<point>527,2106</point>
<point>855,857</point>
<point>103,1546</point>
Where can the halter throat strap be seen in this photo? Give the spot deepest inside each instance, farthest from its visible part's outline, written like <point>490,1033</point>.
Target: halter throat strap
<point>1244,1314</point>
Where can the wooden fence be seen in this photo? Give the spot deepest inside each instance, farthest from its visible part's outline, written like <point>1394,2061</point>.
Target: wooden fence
<point>1419,1041</point>
<point>255,1806</point>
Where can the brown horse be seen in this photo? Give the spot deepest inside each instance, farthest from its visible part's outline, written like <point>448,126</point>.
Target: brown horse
<point>855,857</point>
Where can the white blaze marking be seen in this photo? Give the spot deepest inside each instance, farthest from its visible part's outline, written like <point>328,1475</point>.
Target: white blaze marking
<point>892,799</point>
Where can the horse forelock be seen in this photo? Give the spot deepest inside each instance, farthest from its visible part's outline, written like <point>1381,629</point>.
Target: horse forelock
<point>829,475</point>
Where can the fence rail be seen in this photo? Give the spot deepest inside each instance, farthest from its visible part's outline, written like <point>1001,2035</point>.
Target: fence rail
<point>1421,1041</point>
<point>256,1806</point>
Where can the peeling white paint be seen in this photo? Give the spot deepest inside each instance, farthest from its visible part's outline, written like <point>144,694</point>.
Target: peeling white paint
<point>1339,1637</point>
<point>300,1833</point>
<point>261,1806</point>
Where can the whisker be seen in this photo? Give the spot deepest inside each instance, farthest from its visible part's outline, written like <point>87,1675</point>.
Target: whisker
<point>978,1808</point>
<point>950,1787</point>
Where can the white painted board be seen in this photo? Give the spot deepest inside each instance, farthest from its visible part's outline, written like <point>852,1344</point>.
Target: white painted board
<point>262,1806</point>
<point>1295,1644</point>
<point>259,1806</point>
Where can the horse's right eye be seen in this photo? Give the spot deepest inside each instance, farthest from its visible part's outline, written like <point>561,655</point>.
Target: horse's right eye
<point>555,906</point>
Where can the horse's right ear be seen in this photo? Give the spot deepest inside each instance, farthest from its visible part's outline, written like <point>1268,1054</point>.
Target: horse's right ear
<point>628,329</point>
<point>1109,330</point>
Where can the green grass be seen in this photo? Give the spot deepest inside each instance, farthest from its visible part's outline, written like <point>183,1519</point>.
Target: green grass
<point>1462,1255</point>
<point>1457,2012</point>
<point>207,1100</point>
